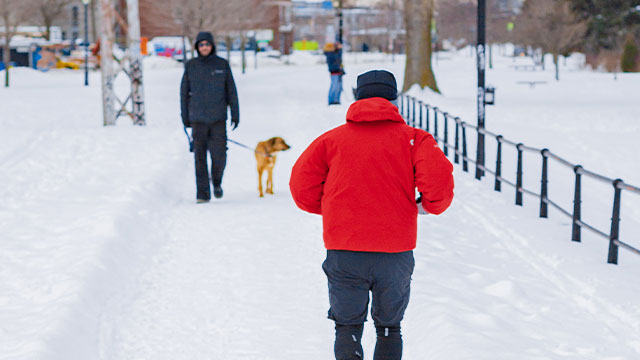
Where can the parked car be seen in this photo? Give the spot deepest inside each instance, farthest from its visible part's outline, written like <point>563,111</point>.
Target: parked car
<point>170,46</point>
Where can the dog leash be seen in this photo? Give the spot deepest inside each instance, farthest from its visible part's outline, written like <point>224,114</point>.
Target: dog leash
<point>248,148</point>
<point>189,138</point>
<point>229,140</point>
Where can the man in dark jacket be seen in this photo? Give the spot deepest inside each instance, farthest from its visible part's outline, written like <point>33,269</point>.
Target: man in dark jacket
<point>207,89</point>
<point>361,177</point>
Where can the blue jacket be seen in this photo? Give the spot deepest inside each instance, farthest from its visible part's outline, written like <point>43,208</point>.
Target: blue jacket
<point>334,61</point>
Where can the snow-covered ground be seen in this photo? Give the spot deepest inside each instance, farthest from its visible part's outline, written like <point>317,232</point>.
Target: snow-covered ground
<point>105,255</point>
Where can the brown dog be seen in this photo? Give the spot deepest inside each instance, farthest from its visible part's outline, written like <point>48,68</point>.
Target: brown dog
<point>266,158</point>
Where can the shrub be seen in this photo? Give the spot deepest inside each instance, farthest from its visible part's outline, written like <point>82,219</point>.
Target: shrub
<point>629,61</point>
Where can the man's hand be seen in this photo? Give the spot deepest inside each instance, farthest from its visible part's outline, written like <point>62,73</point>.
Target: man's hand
<point>421,210</point>
<point>234,123</point>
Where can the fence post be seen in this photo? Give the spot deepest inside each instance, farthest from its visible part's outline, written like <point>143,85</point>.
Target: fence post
<point>446,134</point>
<point>544,180</point>
<point>406,108</point>
<point>615,224</point>
<point>575,233</point>
<point>420,105</point>
<point>520,148</point>
<point>465,166</point>
<point>401,103</point>
<point>427,117</point>
<point>435,124</point>
<point>456,157</point>
<point>405,98</point>
<point>498,185</point>
<point>413,113</point>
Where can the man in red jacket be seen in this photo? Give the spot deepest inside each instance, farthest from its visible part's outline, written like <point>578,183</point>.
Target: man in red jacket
<point>361,177</point>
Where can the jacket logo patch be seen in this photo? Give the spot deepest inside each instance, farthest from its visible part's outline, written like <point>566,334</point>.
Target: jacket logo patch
<point>411,142</point>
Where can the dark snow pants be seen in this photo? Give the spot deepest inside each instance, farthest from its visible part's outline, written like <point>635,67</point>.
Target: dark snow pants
<point>210,138</point>
<point>352,275</point>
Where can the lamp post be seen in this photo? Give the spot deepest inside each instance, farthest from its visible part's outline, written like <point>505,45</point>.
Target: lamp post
<point>340,21</point>
<point>481,63</point>
<point>86,42</point>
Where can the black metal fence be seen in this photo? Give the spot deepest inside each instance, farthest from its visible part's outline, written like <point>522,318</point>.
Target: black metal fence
<point>424,116</point>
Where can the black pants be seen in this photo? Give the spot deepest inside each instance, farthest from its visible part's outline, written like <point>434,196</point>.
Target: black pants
<point>352,276</point>
<point>211,138</point>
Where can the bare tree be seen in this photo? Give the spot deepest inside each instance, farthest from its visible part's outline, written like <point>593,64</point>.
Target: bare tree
<point>223,18</point>
<point>242,16</point>
<point>457,22</point>
<point>418,15</point>
<point>49,11</point>
<point>551,26</point>
<point>12,14</point>
<point>196,15</point>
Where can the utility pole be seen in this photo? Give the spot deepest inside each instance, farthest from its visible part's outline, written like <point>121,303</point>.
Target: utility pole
<point>340,21</point>
<point>86,42</point>
<point>392,32</point>
<point>481,62</point>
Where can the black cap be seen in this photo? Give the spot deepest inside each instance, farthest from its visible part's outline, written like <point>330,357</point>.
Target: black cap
<point>377,83</point>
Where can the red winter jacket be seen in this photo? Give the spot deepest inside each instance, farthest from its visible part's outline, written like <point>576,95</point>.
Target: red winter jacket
<point>361,177</point>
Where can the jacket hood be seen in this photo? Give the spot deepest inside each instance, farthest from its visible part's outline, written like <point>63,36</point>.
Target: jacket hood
<point>205,36</point>
<point>373,109</point>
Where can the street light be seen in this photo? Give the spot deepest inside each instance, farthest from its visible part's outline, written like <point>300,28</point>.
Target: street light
<point>481,100</point>
<point>86,42</point>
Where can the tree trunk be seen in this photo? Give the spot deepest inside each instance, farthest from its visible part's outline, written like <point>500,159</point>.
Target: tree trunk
<point>490,56</point>
<point>418,70</point>
<point>47,25</point>
<point>556,62</point>
<point>244,53</point>
<point>94,31</point>
<point>47,20</point>
<point>6,58</point>
<point>107,40</point>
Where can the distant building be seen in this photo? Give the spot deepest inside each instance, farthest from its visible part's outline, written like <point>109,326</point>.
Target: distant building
<point>366,26</point>
<point>510,6</point>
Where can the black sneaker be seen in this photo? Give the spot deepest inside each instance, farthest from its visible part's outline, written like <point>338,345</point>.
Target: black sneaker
<point>217,192</point>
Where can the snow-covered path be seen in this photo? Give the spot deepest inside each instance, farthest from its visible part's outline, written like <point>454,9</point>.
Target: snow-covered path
<point>105,255</point>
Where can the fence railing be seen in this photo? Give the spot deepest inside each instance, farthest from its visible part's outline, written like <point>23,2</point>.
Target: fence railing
<point>412,110</point>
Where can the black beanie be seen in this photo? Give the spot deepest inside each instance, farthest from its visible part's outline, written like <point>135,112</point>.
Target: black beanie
<point>377,83</point>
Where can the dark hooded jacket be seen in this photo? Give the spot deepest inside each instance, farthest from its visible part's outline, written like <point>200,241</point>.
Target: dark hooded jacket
<point>207,88</point>
<point>334,61</point>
